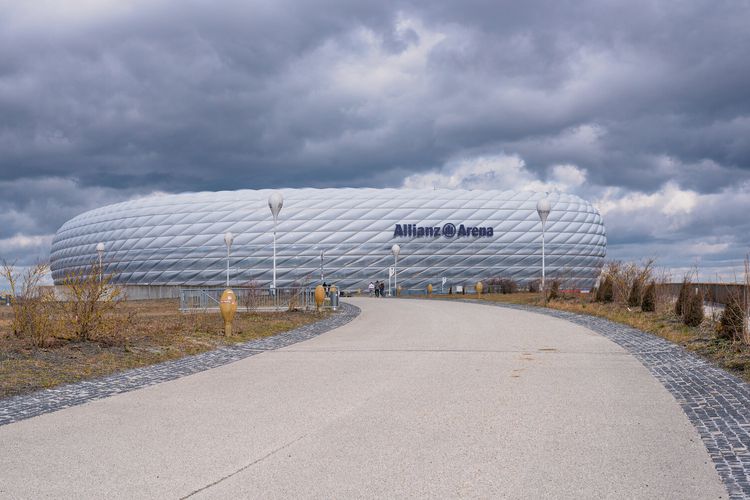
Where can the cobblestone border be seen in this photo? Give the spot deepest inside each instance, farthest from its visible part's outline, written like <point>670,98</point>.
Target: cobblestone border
<point>716,402</point>
<point>25,406</point>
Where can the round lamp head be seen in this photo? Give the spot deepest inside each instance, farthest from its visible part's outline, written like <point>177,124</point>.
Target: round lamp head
<point>228,238</point>
<point>100,247</point>
<point>275,202</point>
<point>543,208</point>
<point>395,249</point>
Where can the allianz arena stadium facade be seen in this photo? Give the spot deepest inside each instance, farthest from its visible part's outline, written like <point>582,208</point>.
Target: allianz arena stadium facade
<point>462,236</point>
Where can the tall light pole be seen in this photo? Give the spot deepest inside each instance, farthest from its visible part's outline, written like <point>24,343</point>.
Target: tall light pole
<point>228,239</point>
<point>395,249</point>
<point>543,208</point>
<point>275,202</point>
<point>321,267</point>
<point>100,251</point>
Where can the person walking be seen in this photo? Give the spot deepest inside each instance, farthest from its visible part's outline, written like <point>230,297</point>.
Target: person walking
<point>382,288</point>
<point>370,288</point>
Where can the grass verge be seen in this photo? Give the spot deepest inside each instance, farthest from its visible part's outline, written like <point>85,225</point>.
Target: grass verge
<point>155,332</point>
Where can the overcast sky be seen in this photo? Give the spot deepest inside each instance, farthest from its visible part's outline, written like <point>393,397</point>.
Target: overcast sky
<point>642,107</point>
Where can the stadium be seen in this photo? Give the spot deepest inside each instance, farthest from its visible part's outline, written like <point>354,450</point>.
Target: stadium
<point>454,237</point>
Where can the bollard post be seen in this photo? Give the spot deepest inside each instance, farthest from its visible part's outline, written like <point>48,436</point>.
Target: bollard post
<point>227,307</point>
<point>320,296</point>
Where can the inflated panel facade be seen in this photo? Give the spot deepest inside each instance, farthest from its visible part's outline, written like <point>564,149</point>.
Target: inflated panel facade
<point>461,235</point>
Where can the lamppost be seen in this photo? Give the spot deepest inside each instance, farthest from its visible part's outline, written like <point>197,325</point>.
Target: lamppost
<point>321,267</point>
<point>543,208</point>
<point>228,239</point>
<point>100,251</point>
<point>275,202</point>
<point>395,249</point>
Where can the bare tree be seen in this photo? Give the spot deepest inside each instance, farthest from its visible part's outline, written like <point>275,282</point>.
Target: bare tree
<point>32,306</point>
<point>90,301</point>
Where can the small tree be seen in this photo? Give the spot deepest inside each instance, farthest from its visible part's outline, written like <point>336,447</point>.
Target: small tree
<point>732,321</point>
<point>682,297</point>
<point>91,298</point>
<point>607,290</point>
<point>554,290</point>
<point>649,298</point>
<point>33,308</point>
<point>508,286</point>
<point>634,297</point>
<point>251,296</point>
<point>692,311</point>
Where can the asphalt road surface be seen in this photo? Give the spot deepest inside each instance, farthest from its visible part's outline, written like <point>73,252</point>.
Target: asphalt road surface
<point>411,399</point>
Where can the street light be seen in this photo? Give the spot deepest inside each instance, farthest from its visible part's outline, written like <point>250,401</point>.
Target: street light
<point>228,239</point>
<point>543,208</point>
<point>275,202</point>
<point>321,267</point>
<point>100,251</point>
<point>395,249</point>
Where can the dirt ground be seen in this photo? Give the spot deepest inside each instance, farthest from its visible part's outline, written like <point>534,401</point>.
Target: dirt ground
<point>150,332</point>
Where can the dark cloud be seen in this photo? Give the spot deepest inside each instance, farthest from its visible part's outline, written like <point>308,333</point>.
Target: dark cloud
<point>104,101</point>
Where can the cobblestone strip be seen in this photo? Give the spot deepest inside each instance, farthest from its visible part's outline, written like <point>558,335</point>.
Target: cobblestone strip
<point>30,405</point>
<point>716,402</point>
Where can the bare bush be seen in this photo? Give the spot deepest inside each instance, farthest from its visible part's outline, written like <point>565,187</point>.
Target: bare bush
<point>90,303</point>
<point>682,297</point>
<point>624,274</point>
<point>635,298</point>
<point>733,321</point>
<point>554,290</point>
<point>251,296</point>
<point>648,304</point>
<point>605,293</point>
<point>692,311</point>
<point>33,307</point>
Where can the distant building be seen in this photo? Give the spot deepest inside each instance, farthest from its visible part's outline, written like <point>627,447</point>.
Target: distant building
<point>463,236</point>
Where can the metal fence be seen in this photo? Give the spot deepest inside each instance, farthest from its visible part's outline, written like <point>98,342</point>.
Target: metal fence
<point>254,299</point>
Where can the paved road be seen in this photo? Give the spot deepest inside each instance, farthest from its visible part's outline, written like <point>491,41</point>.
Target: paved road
<point>411,399</point>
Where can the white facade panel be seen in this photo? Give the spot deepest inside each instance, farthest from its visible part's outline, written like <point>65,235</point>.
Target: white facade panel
<point>179,239</point>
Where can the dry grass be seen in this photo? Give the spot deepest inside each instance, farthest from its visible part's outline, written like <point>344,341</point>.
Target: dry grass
<point>155,331</point>
<point>732,356</point>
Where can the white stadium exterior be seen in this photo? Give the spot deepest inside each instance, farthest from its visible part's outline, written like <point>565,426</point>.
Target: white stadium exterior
<point>462,236</point>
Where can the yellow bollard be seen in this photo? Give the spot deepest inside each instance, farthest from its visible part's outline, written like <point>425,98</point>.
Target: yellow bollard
<point>228,306</point>
<point>429,289</point>
<point>320,296</point>
<point>478,287</point>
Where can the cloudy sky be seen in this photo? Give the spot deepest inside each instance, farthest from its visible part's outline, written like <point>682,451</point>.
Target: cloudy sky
<point>642,107</point>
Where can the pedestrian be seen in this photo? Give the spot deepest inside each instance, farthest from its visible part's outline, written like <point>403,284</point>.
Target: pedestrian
<point>370,288</point>
<point>382,288</point>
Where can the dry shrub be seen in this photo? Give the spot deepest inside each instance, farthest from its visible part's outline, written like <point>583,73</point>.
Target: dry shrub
<point>33,308</point>
<point>91,301</point>
<point>648,304</point>
<point>692,310</point>
<point>682,297</point>
<point>534,286</point>
<point>624,274</point>
<point>251,296</point>
<point>554,290</point>
<point>605,291</point>
<point>733,321</point>
<point>634,298</point>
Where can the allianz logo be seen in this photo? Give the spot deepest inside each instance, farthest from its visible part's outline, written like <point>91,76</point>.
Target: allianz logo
<point>448,230</point>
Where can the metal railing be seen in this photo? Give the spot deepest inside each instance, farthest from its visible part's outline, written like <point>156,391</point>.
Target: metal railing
<point>253,299</point>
